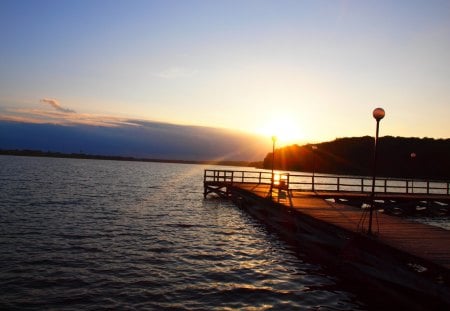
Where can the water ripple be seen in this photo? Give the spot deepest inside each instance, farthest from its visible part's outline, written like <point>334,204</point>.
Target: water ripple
<point>94,235</point>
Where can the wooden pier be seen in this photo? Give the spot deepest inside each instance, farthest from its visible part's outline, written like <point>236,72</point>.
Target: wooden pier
<point>331,224</point>
<point>392,195</point>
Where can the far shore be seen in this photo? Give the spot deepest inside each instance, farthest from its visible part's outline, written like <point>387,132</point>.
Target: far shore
<point>51,154</point>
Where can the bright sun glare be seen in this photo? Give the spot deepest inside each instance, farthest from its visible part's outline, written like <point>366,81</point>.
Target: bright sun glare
<point>284,128</point>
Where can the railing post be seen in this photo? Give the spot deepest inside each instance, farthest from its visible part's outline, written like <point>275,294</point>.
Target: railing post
<point>395,185</point>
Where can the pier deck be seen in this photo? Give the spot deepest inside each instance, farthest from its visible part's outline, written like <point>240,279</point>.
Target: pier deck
<point>327,217</point>
<point>427,242</point>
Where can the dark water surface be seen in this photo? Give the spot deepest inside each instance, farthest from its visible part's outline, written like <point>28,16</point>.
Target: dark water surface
<point>87,234</point>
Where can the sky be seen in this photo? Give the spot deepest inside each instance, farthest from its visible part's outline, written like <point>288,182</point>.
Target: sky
<point>305,71</point>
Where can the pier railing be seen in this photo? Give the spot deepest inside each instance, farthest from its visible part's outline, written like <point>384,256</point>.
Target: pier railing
<point>309,182</point>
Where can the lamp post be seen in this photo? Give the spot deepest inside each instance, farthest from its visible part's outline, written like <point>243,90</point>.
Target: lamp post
<point>413,156</point>
<point>313,148</point>
<point>274,139</point>
<point>378,114</point>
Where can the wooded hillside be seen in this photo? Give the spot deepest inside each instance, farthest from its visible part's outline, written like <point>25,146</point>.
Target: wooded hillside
<point>354,156</point>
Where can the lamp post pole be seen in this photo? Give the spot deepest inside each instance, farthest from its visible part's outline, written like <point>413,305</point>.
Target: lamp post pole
<point>378,114</point>
<point>413,156</point>
<point>274,139</point>
<point>314,148</point>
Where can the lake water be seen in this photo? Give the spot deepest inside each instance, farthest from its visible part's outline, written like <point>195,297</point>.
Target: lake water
<point>88,234</point>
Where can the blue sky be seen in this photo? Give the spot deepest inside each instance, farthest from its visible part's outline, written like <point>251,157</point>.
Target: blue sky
<point>306,71</point>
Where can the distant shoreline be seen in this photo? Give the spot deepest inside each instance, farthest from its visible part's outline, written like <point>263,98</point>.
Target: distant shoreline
<point>51,154</point>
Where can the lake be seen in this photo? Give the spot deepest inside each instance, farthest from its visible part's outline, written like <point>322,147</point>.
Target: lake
<point>91,234</point>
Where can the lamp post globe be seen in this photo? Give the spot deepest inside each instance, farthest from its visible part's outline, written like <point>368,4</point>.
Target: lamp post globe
<point>378,113</point>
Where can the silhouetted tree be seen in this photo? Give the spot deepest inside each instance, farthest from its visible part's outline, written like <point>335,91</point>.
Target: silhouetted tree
<point>354,156</point>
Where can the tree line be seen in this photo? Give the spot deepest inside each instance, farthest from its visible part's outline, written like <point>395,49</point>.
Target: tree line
<point>55,154</point>
<point>423,158</point>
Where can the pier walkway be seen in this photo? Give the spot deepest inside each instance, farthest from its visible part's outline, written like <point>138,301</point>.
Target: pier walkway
<point>429,243</point>
<point>423,241</point>
<point>327,217</point>
<point>395,196</point>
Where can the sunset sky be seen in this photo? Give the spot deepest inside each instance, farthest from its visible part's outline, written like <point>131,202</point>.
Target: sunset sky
<point>306,71</point>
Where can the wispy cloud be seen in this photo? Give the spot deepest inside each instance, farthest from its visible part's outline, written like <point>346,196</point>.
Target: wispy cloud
<point>21,119</point>
<point>176,72</point>
<point>63,118</point>
<point>55,104</point>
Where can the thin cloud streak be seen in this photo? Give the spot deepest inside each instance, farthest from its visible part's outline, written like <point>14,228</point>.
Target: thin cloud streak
<point>22,119</point>
<point>39,116</point>
<point>55,104</point>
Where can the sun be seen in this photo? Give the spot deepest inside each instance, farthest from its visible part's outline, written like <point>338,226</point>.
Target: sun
<point>286,130</point>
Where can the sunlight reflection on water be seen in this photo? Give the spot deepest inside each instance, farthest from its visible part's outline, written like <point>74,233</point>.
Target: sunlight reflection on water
<point>87,234</point>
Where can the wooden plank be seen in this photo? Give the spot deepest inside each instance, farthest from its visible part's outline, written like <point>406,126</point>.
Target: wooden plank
<point>423,241</point>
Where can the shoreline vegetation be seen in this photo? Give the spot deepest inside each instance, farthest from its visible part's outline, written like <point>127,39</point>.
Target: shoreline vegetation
<point>53,154</point>
<point>398,157</point>
<point>415,158</point>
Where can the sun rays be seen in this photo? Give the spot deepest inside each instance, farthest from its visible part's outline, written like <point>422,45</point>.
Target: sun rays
<point>284,127</point>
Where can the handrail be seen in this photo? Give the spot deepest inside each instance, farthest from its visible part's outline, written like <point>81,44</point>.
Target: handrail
<point>306,182</point>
